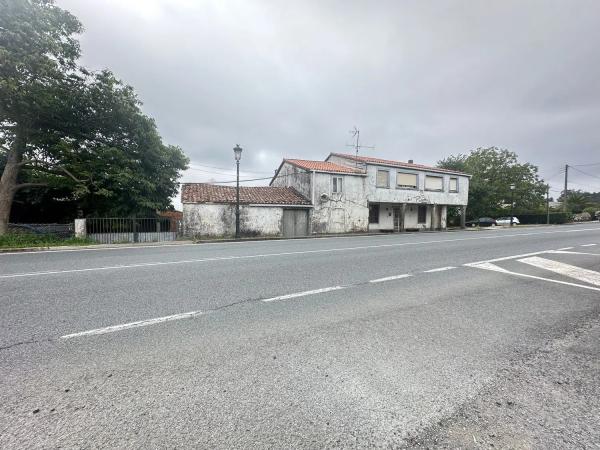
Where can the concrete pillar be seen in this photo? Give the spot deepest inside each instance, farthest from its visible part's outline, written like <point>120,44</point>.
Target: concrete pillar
<point>444,218</point>
<point>463,216</point>
<point>402,217</point>
<point>433,220</point>
<point>80,228</point>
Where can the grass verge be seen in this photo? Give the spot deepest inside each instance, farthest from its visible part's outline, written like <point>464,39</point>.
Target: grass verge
<point>22,240</point>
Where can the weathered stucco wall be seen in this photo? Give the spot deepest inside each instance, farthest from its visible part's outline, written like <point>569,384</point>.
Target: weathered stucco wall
<point>342,212</point>
<point>292,176</point>
<point>394,194</point>
<point>215,220</point>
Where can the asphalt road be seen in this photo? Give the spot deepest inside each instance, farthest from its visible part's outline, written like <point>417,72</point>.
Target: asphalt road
<point>387,341</point>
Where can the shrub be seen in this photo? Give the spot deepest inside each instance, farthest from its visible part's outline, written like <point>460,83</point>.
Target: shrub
<point>21,240</point>
<point>555,218</point>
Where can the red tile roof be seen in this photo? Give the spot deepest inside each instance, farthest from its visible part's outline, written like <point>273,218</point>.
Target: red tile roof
<point>387,162</point>
<point>261,195</point>
<point>323,166</point>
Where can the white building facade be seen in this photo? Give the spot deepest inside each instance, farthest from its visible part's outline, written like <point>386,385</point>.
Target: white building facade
<point>352,193</point>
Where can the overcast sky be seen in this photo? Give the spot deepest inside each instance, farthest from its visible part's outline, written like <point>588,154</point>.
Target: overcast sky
<point>421,79</point>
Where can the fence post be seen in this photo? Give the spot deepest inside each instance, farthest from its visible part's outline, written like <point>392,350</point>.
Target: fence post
<point>135,230</point>
<point>80,228</point>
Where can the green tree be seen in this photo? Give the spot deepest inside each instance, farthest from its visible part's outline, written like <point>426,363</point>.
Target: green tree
<point>81,136</point>
<point>493,170</point>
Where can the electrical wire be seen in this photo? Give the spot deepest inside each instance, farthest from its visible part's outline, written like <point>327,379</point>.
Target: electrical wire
<point>585,173</point>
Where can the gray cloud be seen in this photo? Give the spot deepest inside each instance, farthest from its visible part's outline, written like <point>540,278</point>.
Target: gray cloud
<point>421,79</point>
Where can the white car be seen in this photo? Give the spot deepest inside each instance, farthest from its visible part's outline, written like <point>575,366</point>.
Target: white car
<point>506,221</point>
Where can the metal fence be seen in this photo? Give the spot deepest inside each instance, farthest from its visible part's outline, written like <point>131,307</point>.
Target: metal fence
<point>112,230</point>
<point>62,230</point>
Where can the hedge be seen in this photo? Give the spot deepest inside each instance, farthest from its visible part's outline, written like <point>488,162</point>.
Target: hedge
<point>555,218</point>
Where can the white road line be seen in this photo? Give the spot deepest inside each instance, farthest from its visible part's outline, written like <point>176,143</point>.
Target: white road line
<point>393,277</point>
<point>505,258</point>
<point>567,252</point>
<point>125,326</point>
<point>588,245</point>
<point>266,255</point>
<point>578,230</point>
<point>585,275</point>
<point>439,269</point>
<point>493,267</point>
<point>566,248</point>
<point>302,294</point>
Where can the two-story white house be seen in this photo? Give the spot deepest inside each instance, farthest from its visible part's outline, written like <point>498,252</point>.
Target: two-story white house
<point>352,193</point>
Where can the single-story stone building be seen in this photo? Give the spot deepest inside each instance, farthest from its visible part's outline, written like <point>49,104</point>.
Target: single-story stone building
<point>209,211</point>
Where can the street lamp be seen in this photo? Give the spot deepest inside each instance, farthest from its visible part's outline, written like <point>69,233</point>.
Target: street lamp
<point>512,202</point>
<point>237,152</point>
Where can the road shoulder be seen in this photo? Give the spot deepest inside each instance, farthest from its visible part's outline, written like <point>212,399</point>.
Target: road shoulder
<point>549,400</point>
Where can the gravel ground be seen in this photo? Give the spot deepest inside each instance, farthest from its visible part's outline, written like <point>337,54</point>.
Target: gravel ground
<point>550,400</point>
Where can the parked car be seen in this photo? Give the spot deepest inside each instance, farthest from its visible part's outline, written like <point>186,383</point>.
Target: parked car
<point>506,221</point>
<point>482,222</point>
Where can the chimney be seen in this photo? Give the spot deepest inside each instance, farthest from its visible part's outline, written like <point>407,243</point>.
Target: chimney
<point>410,161</point>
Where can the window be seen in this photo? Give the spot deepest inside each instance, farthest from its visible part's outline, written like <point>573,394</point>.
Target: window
<point>434,183</point>
<point>406,180</point>
<point>422,214</point>
<point>383,178</point>
<point>337,184</point>
<point>453,184</point>
<point>373,213</point>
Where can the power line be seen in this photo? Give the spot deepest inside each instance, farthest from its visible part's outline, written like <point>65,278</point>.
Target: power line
<point>223,168</point>
<point>585,165</point>
<point>585,173</point>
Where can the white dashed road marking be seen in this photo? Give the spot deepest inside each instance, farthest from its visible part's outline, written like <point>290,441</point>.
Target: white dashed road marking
<point>393,277</point>
<point>588,245</point>
<point>585,275</point>
<point>565,248</point>
<point>302,294</point>
<point>125,326</point>
<point>439,269</point>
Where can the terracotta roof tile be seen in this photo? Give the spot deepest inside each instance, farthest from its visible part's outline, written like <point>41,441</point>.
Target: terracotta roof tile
<point>388,162</point>
<point>323,166</point>
<point>262,195</point>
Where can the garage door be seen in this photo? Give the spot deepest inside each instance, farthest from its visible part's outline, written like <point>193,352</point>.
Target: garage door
<point>295,222</point>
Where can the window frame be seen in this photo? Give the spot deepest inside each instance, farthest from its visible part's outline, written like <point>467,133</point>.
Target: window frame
<point>434,176</point>
<point>453,191</point>
<point>377,178</point>
<point>398,186</point>
<point>337,187</point>
<point>374,206</point>
<point>419,209</point>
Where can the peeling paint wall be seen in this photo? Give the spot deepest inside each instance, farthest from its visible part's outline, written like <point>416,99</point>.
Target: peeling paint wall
<point>395,194</point>
<point>217,220</point>
<point>342,212</point>
<point>292,176</point>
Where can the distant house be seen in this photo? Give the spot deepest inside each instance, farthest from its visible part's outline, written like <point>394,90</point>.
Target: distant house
<point>343,194</point>
<point>209,211</point>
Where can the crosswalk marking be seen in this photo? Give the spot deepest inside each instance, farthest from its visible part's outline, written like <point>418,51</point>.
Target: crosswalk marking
<point>495,268</point>
<point>585,275</point>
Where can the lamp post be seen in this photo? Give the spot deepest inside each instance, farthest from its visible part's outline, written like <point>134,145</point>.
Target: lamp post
<point>512,202</point>
<point>237,153</point>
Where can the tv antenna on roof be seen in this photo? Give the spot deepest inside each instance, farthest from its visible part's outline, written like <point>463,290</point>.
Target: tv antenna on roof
<point>355,132</point>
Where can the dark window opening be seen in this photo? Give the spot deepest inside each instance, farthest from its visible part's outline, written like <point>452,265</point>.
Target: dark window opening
<point>422,213</point>
<point>373,213</point>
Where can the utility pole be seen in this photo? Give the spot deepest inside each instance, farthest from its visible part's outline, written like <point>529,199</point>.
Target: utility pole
<point>565,193</point>
<point>547,204</point>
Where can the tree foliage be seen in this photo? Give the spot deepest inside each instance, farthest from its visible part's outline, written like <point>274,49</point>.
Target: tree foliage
<point>75,136</point>
<point>493,170</point>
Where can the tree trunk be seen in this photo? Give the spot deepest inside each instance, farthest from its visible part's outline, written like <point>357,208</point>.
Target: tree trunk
<point>8,181</point>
